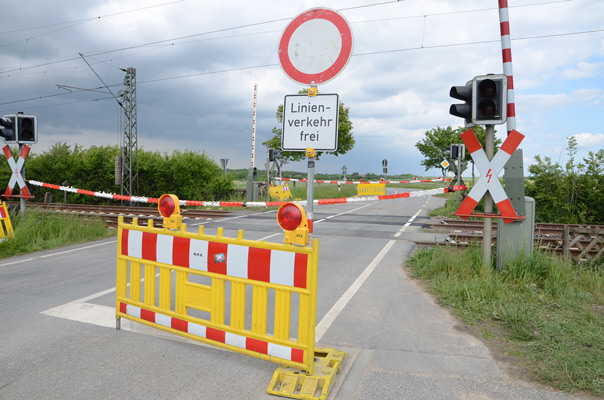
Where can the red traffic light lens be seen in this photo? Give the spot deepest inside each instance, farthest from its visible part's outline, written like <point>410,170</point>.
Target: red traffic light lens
<point>166,206</point>
<point>289,217</point>
<point>487,107</point>
<point>488,88</point>
<point>26,123</point>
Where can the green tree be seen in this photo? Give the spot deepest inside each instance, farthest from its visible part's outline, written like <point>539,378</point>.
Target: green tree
<point>572,194</point>
<point>435,144</point>
<point>543,187</point>
<point>592,183</point>
<point>345,135</point>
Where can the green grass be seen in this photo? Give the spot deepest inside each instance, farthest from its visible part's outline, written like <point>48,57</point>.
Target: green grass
<point>546,313</point>
<point>40,230</point>
<point>322,191</point>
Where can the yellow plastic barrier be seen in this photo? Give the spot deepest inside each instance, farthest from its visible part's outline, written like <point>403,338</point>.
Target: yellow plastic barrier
<point>211,272</point>
<point>280,192</point>
<point>6,227</point>
<point>371,189</point>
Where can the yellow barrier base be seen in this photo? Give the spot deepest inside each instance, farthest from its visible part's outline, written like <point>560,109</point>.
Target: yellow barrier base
<point>296,384</point>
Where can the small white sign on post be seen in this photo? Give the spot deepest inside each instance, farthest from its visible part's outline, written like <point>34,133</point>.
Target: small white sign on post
<point>310,122</point>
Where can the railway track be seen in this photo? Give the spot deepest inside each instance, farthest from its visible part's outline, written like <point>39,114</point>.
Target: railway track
<point>547,236</point>
<point>111,213</point>
<point>540,228</point>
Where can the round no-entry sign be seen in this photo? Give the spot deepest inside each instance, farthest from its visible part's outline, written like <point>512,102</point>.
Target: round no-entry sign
<point>315,46</point>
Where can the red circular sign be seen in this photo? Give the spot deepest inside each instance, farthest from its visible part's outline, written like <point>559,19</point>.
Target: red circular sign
<point>315,46</point>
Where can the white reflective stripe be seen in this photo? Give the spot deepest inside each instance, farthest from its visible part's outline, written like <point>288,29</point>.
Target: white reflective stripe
<point>237,258</point>
<point>68,189</point>
<point>255,204</point>
<point>234,340</point>
<point>497,192</point>
<point>499,161</point>
<point>197,330</point>
<point>276,350</point>
<point>164,249</point>
<point>480,158</point>
<point>137,199</point>
<point>163,320</point>
<point>135,244</point>
<point>479,189</point>
<point>133,311</point>
<point>198,255</point>
<point>282,268</point>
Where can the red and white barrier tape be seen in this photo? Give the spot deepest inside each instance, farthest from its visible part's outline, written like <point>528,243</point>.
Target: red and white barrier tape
<point>137,199</point>
<point>415,180</point>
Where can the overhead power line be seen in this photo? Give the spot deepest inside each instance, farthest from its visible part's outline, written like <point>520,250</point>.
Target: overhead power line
<point>221,30</point>
<point>275,64</point>
<point>101,79</point>
<point>83,20</point>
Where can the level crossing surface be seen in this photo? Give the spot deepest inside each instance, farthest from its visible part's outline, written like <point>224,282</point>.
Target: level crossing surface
<point>58,336</point>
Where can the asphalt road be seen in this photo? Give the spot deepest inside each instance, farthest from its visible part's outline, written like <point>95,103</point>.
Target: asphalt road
<point>58,341</point>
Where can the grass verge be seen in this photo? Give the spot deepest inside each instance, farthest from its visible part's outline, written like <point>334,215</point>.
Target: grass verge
<point>40,230</point>
<point>323,191</point>
<point>546,314</point>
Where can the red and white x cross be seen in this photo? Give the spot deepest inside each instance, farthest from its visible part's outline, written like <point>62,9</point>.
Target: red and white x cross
<point>16,168</point>
<point>489,170</point>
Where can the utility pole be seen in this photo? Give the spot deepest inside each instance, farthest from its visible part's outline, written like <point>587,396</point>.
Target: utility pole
<point>129,150</point>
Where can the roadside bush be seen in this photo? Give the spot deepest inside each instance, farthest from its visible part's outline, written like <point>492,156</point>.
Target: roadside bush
<point>189,175</point>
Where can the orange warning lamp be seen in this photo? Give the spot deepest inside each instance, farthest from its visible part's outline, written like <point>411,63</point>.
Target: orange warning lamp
<point>169,208</point>
<point>292,219</point>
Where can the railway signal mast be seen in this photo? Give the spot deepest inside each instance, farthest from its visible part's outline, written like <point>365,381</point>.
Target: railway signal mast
<point>485,103</point>
<point>18,129</point>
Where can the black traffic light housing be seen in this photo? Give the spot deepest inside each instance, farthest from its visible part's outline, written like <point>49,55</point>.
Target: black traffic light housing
<point>454,151</point>
<point>485,99</point>
<point>27,129</point>
<point>490,99</point>
<point>8,128</point>
<point>462,110</point>
<point>457,151</point>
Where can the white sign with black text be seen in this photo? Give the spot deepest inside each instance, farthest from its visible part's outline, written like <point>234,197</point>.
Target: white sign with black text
<point>310,122</point>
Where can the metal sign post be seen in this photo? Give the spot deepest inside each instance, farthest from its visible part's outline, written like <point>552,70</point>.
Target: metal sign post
<point>310,190</point>
<point>487,228</point>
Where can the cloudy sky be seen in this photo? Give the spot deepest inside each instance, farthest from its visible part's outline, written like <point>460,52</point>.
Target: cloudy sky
<point>197,63</point>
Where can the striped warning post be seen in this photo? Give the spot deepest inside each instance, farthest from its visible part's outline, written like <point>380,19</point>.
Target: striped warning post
<point>489,170</point>
<point>506,52</point>
<point>16,168</point>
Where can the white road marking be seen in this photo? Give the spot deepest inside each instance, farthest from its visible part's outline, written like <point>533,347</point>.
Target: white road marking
<point>337,308</point>
<point>56,254</point>
<point>397,234</point>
